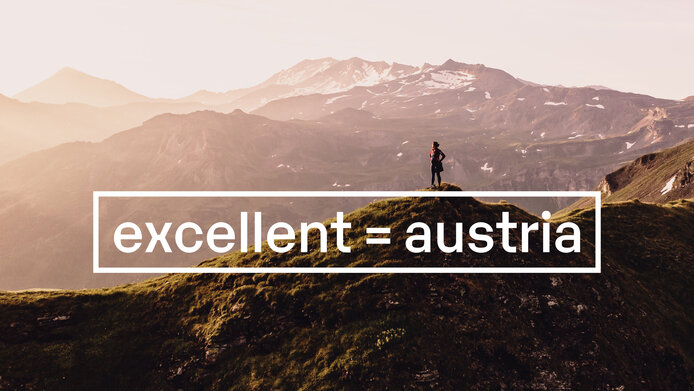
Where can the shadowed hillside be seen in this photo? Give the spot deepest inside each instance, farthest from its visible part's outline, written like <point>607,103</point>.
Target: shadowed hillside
<point>627,328</point>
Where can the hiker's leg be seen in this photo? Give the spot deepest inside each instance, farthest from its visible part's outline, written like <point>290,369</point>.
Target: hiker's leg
<point>438,175</point>
<point>433,175</point>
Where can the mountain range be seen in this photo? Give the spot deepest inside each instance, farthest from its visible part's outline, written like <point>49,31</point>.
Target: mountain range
<point>478,96</point>
<point>74,106</point>
<point>29,127</point>
<point>320,125</point>
<point>320,76</point>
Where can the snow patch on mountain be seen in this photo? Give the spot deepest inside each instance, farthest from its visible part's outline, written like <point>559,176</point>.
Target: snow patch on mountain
<point>550,103</point>
<point>668,186</point>
<point>370,76</point>
<point>327,87</point>
<point>629,145</point>
<point>302,72</point>
<point>333,76</point>
<point>596,106</point>
<point>331,100</point>
<point>487,168</point>
<point>446,79</point>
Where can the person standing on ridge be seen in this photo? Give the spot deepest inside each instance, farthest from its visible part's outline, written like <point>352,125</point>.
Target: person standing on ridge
<point>436,157</point>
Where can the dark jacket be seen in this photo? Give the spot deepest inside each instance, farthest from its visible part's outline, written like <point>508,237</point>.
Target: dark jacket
<point>436,157</point>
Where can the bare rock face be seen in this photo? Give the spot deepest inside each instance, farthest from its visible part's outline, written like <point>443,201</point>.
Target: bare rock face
<point>685,175</point>
<point>618,179</point>
<point>605,187</point>
<point>657,113</point>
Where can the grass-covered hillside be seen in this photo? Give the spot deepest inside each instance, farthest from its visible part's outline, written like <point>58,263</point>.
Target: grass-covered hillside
<point>656,177</point>
<point>626,328</point>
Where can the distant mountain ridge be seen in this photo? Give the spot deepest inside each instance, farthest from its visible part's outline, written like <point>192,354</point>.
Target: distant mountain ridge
<point>69,85</point>
<point>474,96</point>
<point>319,76</point>
<point>480,96</point>
<point>28,127</point>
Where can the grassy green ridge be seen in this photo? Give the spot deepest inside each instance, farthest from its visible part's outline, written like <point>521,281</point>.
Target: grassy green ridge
<point>625,327</point>
<point>647,180</point>
<point>645,177</point>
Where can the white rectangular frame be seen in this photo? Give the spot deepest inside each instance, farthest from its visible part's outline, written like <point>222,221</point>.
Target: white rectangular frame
<point>97,195</point>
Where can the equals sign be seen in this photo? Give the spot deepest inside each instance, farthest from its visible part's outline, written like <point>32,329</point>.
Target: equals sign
<point>378,231</point>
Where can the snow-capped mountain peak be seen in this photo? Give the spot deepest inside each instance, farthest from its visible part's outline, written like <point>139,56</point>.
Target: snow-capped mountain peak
<point>354,72</point>
<point>300,72</point>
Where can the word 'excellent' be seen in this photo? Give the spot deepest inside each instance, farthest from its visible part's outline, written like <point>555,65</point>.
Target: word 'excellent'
<point>220,236</point>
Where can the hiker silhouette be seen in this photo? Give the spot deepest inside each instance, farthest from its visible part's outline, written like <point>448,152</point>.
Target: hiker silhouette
<point>436,157</point>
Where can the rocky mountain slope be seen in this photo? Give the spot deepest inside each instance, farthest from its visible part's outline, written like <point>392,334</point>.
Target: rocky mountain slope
<point>656,177</point>
<point>627,328</point>
<point>642,179</point>
<point>479,97</point>
<point>482,97</point>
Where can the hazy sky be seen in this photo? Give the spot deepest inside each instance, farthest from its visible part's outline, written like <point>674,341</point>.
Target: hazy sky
<point>169,48</point>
